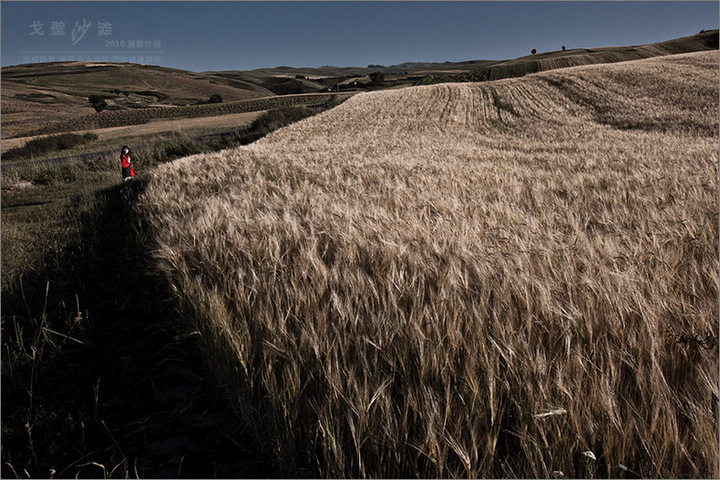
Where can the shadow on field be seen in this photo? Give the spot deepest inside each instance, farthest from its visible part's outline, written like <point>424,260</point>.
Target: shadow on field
<point>100,377</point>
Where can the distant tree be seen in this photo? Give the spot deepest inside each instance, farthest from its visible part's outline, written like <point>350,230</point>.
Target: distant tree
<point>377,78</point>
<point>215,98</point>
<point>300,77</point>
<point>563,48</point>
<point>533,51</point>
<point>97,102</point>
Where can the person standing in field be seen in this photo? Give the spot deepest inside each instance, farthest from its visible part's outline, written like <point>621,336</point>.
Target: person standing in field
<point>128,172</point>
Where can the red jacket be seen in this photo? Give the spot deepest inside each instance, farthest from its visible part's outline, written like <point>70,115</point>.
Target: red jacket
<point>126,163</point>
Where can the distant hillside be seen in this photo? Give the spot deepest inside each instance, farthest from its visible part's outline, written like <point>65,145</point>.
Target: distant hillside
<point>51,96</point>
<point>588,56</point>
<point>119,118</point>
<point>416,73</point>
<point>126,84</point>
<point>34,93</point>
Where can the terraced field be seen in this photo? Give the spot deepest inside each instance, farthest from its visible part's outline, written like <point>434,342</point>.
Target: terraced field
<point>512,278</point>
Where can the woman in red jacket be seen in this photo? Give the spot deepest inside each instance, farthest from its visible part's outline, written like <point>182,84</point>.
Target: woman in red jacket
<point>128,172</point>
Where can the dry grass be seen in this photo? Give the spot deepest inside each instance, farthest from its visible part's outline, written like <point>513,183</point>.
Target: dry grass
<point>467,279</point>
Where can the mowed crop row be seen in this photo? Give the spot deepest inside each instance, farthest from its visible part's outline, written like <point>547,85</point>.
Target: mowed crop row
<point>467,280</point>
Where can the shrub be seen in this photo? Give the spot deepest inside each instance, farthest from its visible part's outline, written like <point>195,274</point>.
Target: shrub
<point>377,78</point>
<point>43,145</point>
<point>278,118</point>
<point>534,51</point>
<point>55,175</point>
<point>181,149</point>
<point>215,98</point>
<point>97,102</point>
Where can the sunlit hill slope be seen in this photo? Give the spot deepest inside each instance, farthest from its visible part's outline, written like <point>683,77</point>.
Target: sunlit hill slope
<point>479,279</point>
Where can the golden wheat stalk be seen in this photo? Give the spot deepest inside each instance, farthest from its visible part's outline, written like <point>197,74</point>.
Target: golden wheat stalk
<point>397,287</point>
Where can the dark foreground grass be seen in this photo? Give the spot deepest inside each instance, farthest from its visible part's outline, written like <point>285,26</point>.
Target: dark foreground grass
<point>96,380</point>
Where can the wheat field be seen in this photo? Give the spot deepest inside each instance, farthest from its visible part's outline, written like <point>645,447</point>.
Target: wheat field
<point>480,279</point>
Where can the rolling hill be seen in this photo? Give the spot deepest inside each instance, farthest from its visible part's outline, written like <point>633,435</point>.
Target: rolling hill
<point>513,278</point>
<point>480,70</point>
<point>32,94</point>
<point>706,40</point>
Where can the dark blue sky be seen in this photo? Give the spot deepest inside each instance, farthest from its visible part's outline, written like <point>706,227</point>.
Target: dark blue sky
<point>203,36</point>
